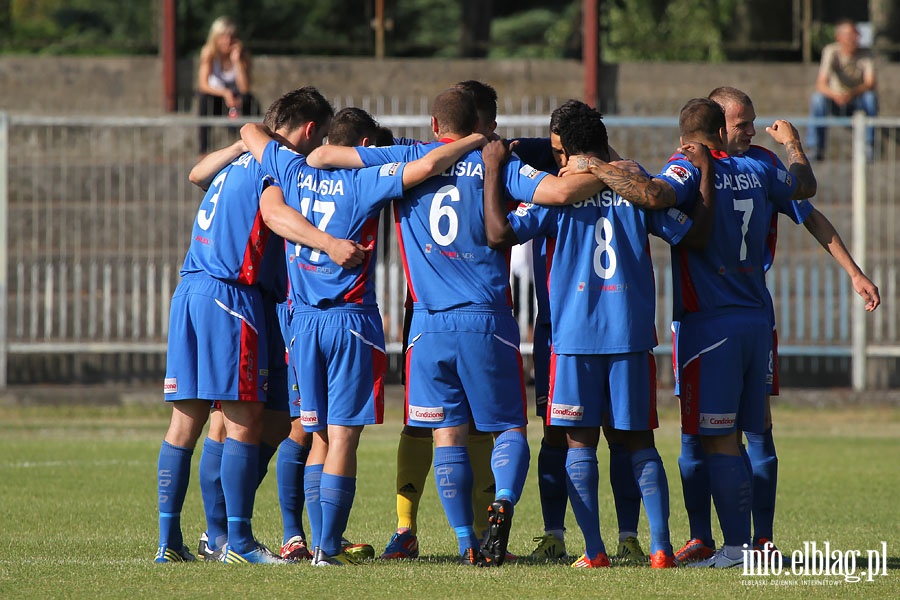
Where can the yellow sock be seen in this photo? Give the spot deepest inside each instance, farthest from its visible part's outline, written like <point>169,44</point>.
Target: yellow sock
<point>481,445</point>
<point>414,456</point>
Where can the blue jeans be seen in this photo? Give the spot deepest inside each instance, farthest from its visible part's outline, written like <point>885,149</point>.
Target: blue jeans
<point>821,106</point>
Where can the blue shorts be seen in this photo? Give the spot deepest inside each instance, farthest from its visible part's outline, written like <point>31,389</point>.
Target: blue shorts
<point>590,390</point>
<point>340,353</point>
<point>217,342</point>
<point>723,362</point>
<point>293,390</point>
<point>542,342</point>
<point>277,392</point>
<point>462,365</point>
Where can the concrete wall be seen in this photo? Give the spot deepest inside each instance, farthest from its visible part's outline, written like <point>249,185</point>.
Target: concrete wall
<point>132,85</point>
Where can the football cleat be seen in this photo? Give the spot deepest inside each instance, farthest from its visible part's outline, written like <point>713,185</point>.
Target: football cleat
<point>768,552</point>
<point>599,561</point>
<point>719,560</point>
<point>357,551</point>
<point>549,547</point>
<point>470,558</point>
<point>260,555</point>
<point>693,551</point>
<point>662,560</point>
<point>320,559</point>
<point>493,547</point>
<point>164,554</point>
<point>630,551</point>
<point>403,544</point>
<point>205,552</point>
<point>296,549</point>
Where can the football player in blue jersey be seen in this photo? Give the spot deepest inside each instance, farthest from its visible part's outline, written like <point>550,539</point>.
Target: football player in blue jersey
<point>720,301</point>
<point>739,118</point>
<point>218,352</point>
<point>602,302</point>
<point>337,331</point>
<point>463,359</point>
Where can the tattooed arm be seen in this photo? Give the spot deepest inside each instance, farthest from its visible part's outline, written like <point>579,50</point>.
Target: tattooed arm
<point>786,134</point>
<point>640,190</point>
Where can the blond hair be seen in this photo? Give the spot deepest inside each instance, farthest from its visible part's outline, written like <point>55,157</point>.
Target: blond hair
<point>219,27</point>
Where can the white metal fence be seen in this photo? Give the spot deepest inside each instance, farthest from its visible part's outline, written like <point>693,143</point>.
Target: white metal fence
<point>96,214</point>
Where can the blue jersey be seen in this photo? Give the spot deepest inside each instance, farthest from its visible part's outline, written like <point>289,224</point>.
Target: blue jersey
<point>730,271</point>
<point>441,230</point>
<point>229,236</point>
<point>345,203</point>
<point>602,290</point>
<point>273,270</point>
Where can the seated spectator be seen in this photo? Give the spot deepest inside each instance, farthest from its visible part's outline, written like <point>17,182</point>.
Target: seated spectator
<point>845,84</point>
<point>223,77</point>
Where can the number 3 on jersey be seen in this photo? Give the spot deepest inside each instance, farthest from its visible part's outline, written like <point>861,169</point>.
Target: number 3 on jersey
<point>326,209</point>
<point>603,234</point>
<point>440,211</point>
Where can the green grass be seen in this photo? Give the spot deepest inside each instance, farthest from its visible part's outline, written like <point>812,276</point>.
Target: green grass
<point>78,516</point>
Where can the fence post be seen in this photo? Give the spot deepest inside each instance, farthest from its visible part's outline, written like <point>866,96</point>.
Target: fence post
<point>858,317</point>
<point>4,245</point>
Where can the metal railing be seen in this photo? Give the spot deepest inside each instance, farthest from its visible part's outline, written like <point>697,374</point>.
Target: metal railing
<point>96,215</point>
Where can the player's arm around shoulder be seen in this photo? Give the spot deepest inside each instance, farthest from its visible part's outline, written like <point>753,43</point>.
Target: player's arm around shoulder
<point>499,232</point>
<point>440,159</point>
<point>291,225</point>
<point>702,216</point>
<point>209,166</point>
<point>256,137</point>
<point>639,189</point>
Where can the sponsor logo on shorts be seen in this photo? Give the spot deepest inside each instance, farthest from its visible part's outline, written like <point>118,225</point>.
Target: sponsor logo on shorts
<point>309,417</point>
<point>717,420</point>
<point>426,413</point>
<point>528,171</point>
<point>170,386</point>
<point>566,412</point>
<point>678,173</point>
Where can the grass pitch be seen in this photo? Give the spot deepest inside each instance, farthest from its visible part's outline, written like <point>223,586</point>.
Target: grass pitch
<point>78,517</point>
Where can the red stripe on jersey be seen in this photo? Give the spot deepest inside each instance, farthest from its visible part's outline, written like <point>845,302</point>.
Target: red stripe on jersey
<point>714,153</point>
<point>776,386</point>
<point>772,238</point>
<point>689,300</point>
<point>675,372</point>
<point>379,367</point>
<point>248,367</point>
<point>409,283</point>
<point>551,250</point>
<point>690,397</point>
<point>408,359</point>
<point>653,423</point>
<point>368,237</point>
<point>550,390</point>
<point>253,253</point>
<point>772,157</point>
<point>507,255</point>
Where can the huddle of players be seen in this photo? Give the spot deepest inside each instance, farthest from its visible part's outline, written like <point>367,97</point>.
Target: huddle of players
<point>463,364</point>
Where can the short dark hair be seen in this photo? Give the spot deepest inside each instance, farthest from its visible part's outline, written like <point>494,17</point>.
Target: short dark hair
<point>701,116</point>
<point>455,112</point>
<point>726,94</point>
<point>297,107</point>
<point>350,125</point>
<point>384,136</point>
<point>485,97</point>
<point>580,129</point>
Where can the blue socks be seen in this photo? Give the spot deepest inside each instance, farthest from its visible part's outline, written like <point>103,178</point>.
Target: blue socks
<point>312,479</point>
<point>289,467</point>
<point>626,493</point>
<point>240,472</point>
<point>336,495</point>
<point>509,462</point>
<point>583,477</point>
<point>172,475</point>
<point>552,486</point>
<point>764,463</point>
<point>212,494</point>
<point>730,485</point>
<point>695,485</point>
<point>453,476</point>
<point>654,488</point>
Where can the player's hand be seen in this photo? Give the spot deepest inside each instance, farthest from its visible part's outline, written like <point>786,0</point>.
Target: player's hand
<point>496,152</point>
<point>867,290</point>
<point>627,165</point>
<point>576,163</point>
<point>698,154</point>
<point>783,132</point>
<point>348,254</point>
